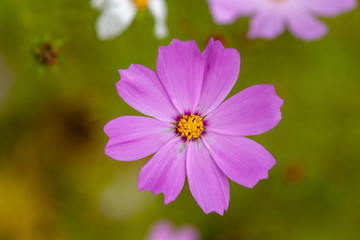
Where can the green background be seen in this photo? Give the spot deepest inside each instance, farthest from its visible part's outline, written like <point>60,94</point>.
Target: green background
<point>57,183</point>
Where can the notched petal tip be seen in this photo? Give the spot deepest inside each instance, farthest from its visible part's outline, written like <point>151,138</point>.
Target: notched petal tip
<point>278,101</point>
<point>208,184</point>
<point>241,159</point>
<point>164,172</point>
<point>221,211</point>
<point>178,43</point>
<point>142,187</point>
<point>132,66</point>
<point>167,199</point>
<point>221,73</point>
<point>262,177</point>
<point>135,137</point>
<point>211,40</point>
<point>276,96</point>
<point>125,71</point>
<point>180,67</point>
<point>252,111</point>
<point>216,42</point>
<point>141,88</point>
<point>232,52</point>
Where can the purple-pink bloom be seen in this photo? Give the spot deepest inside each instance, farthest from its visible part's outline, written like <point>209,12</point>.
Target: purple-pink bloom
<point>192,133</point>
<point>164,230</point>
<point>270,17</point>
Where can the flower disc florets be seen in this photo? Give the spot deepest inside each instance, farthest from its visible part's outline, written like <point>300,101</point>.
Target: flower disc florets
<point>140,3</point>
<point>190,126</point>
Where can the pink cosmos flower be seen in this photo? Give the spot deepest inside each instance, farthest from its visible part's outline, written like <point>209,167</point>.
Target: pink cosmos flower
<point>192,133</point>
<point>270,17</point>
<point>164,230</point>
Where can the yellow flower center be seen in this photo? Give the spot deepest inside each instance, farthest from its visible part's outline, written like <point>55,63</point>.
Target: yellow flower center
<point>190,126</point>
<point>140,3</point>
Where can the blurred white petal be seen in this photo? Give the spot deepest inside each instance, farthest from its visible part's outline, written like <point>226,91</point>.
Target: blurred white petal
<point>116,17</point>
<point>98,4</point>
<point>158,9</point>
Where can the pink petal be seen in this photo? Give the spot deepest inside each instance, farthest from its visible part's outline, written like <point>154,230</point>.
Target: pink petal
<point>266,24</point>
<point>241,159</point>
<point>330,7</point>
<point>161,230</point>
<point>226,11</point>
<point>208,184</point>
<point>222,71</point>
<point>252,111</point>
<point>164,230</point>
<point>141,88</point>
<point>305,26</point>
<point>188,233</point>
<point>133,137</point>
<point>165,172</point>
<point>180,67</point>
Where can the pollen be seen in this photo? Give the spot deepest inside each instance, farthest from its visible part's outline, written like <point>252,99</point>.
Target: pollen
<point>190,126</point>
<point>140,4</point>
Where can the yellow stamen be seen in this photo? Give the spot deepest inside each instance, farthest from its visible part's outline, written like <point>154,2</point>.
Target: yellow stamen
<point>190,126</point>
<point>140,3</point>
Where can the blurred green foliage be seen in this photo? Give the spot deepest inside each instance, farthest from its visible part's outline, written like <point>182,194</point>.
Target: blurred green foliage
<point>56,182</point>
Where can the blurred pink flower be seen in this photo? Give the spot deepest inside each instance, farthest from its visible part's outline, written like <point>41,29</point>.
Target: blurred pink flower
<point>164,230</point>
<point>270,17</point>
<point>193,133</point>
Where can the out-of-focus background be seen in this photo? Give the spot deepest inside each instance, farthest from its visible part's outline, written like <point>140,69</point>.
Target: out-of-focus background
<point>57,91</point>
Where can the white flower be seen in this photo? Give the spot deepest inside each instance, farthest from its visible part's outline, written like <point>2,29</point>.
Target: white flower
<point>117,15</point>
